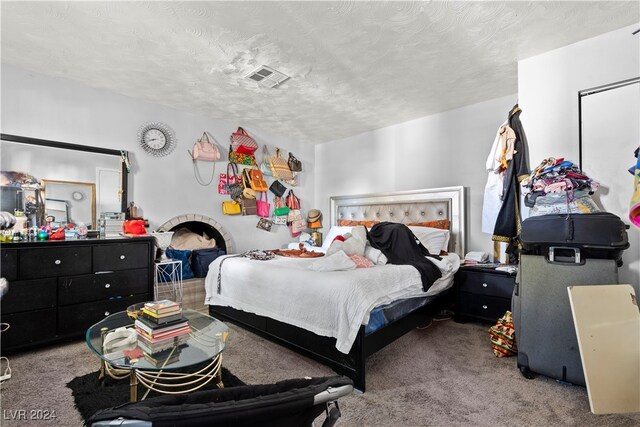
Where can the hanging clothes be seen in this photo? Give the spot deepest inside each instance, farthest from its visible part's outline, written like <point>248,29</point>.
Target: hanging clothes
<point>508,222</point>
<point>634,207</point>
<point>497,162</point>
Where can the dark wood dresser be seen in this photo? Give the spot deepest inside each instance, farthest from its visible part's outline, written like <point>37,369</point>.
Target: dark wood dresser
<point>57,289</point>
<point>482,293</point>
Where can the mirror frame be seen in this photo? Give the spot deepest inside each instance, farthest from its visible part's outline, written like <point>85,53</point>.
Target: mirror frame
<point>124,182</point>
<point>48,183</point>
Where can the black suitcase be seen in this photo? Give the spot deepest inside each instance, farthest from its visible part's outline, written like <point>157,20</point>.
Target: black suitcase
<point>600,235</point>
<point>201,258</point>
<point>544,329</point>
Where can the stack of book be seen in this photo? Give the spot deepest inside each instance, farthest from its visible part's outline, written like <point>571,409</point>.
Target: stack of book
<point>164,357</point>
<point>161,326</point>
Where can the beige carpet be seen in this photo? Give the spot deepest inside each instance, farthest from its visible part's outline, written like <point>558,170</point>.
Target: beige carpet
<point>445,375</point>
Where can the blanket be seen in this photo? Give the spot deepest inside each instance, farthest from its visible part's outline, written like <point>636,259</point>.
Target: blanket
<point>333,303</point>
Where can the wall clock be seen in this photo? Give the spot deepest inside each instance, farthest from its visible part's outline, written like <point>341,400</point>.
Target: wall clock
<point>157,139</point>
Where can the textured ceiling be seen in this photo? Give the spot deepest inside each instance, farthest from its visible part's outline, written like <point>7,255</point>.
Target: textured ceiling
<point>354,66</point>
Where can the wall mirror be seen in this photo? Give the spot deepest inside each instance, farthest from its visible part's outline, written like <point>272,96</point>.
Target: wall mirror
<point>81,181</point>
<point>70,201</point>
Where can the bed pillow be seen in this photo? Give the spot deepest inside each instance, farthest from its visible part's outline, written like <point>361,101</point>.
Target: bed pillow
<point>438,223</point>
<point>375,255</point>
<point>352,223</point>
<point>434,239</point>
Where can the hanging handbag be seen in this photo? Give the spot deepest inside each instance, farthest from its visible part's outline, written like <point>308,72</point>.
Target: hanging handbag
<point>242,143</point>
<point>248,206</point>
<point>279,208</point>
<point>241,158</point>
<point>279,166</point>
<point>264,165</point>
<point>205,150</point>
<point>247,191</point>
<point>279,220</point>
<point>257,182</point>
<point>223,183</point>
<point>293,181</point>
<point>262,205</point>
<point>296,222</point>
<point>277,188</point>
<point>292,201</point>
<point>294,164</point>
<point>264,224</point>
<point>231,208</point>
<point>234,189</point>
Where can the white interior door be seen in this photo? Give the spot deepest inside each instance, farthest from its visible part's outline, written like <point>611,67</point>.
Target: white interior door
<point>107,191</point>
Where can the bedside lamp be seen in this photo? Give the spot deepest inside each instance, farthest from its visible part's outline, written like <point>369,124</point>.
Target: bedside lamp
<point>313,220</point>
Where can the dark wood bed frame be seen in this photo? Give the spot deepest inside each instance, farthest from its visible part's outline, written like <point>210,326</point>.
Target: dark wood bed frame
<point>323,349</point>
<point>404,207</point>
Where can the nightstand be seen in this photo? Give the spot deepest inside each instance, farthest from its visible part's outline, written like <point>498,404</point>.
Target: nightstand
<point>482,293</point>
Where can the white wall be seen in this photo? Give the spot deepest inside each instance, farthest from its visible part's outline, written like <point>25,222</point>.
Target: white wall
<point>442,150</point>
<point>548,87</point>
<point>57,109</point>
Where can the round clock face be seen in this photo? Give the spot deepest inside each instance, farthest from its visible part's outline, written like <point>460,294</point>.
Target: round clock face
<point>157,139</point>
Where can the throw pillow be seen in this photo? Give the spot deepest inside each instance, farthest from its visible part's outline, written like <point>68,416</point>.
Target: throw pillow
<point>361,262</point>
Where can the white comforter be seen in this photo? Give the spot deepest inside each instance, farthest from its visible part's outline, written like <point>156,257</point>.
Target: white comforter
<point>332,304</point>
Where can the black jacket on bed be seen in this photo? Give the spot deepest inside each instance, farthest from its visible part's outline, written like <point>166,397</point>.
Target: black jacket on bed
<point>401,247</point>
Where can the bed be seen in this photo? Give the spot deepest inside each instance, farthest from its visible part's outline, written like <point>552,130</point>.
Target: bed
<point>360,311</point>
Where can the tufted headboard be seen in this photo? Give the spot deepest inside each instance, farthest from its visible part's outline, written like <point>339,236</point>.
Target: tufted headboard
<point>407,207</point>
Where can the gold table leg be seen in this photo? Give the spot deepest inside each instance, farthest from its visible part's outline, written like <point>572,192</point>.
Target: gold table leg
<point>103,364</point>
<point>133,386</point>
<point>219,373</point>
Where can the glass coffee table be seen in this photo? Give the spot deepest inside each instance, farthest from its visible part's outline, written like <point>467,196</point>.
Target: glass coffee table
<point>189,362</point>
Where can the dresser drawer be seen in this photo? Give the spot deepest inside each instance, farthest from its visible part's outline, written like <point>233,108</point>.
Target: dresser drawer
<point>94,287</point>
<point>54,261</point>
<point>485,283</point>
<point>9,263</point>
<point>76,319</point>
<point>26,295</point>
<point>121,256</point>
<point>28,328</point>
<point>481,306</point>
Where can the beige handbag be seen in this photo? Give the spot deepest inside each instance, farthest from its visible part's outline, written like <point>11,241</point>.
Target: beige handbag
<point>279,166</point>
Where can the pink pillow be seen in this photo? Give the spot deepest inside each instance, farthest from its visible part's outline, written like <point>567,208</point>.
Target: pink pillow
<point>361,262</point>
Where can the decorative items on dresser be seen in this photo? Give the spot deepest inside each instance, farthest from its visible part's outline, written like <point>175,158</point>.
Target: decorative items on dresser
<point>482,293</point>
<point>57,289</point>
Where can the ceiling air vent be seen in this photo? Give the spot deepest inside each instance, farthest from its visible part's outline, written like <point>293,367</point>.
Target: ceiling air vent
<point>267,76</point>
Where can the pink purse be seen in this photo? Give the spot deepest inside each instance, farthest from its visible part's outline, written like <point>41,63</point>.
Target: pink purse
<point>262,205</point>
<point>205,149</point>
